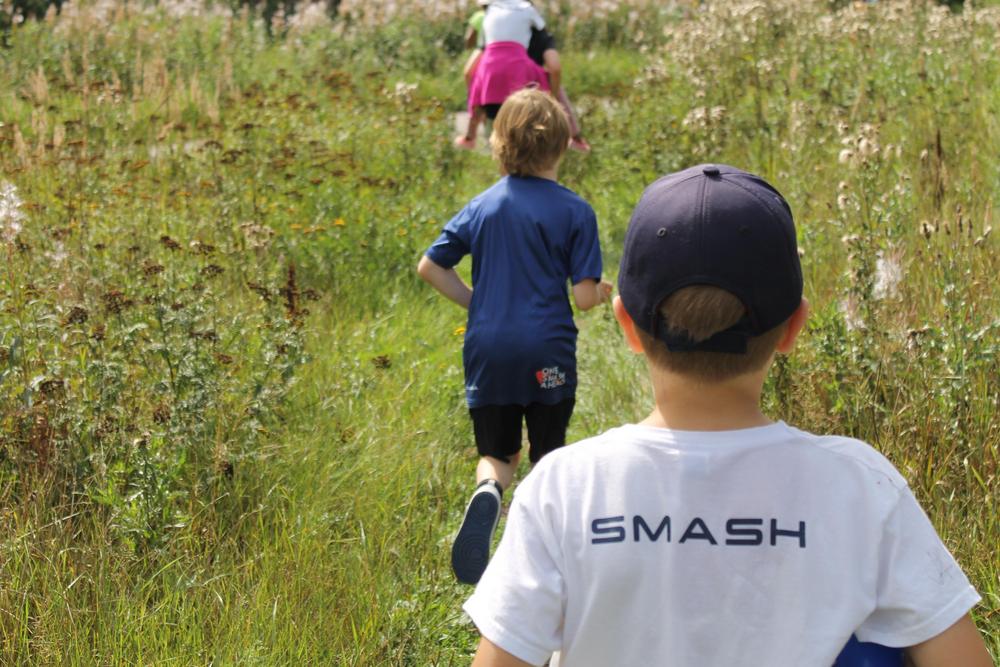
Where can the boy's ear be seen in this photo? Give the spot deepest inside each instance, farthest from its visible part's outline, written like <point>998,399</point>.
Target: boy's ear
<point>627,325</point>
<point>795,324</point>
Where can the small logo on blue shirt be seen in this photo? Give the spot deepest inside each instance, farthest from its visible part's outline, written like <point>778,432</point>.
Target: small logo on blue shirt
<point>550,378</point>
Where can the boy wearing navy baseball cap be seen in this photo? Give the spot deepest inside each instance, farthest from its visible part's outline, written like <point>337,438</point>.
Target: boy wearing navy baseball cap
<point>707,534</point>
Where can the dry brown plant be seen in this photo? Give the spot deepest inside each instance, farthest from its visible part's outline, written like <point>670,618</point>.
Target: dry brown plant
<point>38,88</point>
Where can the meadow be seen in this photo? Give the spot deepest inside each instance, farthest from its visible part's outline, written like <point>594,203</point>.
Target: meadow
<point>232,426</point>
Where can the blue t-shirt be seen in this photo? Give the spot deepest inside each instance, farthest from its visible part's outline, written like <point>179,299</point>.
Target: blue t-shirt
<point>527,237</point>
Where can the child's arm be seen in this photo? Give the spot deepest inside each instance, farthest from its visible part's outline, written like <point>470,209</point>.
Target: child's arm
<point>471,37</point>
<point>446,281</point>
<point>588,293</point>
<point>553,66</point>
<point>491,655</point>
<point>961,645</point>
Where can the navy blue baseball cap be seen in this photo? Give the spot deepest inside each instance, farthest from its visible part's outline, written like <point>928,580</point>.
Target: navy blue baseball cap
<point>711,225</point>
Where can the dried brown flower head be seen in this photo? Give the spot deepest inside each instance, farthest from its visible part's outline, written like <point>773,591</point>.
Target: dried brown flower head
<point>115,301</point>
<point>212,270</point>
<point>76,315</point>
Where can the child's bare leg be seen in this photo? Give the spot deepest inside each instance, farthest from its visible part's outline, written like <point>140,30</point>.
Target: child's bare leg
<point>474,121</point>
<point>553,67</point>
<point>471,550</point>
<point>501,471</point>
<point>574,124</point>
<point>470,66</point>
<point>468,140</point>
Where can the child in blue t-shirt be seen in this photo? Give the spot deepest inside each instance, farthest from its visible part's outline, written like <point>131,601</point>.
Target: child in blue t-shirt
<point>527,236</point>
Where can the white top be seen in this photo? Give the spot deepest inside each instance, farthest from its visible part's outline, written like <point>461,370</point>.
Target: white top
<point>764,546</point>
<point>511,21</point>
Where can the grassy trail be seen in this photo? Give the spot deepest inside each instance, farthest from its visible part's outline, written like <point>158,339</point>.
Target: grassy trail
<point>177,191</point>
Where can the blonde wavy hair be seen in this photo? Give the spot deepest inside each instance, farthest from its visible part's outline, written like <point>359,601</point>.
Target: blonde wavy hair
<point>530,134</point>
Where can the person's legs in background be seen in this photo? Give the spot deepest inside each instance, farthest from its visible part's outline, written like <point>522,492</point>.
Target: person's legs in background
<point>553,67</point>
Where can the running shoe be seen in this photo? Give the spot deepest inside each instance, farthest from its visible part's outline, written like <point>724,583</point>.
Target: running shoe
<point>471,551</point>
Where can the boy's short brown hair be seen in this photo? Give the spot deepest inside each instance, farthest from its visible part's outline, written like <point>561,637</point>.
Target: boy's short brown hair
<point>530,133</point>
<point>699,311</point>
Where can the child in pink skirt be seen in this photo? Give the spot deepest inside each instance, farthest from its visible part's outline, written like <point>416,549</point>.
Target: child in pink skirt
<point>505,66</point>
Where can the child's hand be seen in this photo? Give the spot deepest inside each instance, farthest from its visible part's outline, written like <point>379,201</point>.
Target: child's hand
<point>588,293</point>
<point>604,289</point>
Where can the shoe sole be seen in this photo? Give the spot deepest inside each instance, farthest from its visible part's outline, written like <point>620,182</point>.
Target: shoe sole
<point>471,551</point>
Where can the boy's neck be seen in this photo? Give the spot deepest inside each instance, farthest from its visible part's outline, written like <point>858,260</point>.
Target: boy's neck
<point>696,406</point>
<point>550,173</point>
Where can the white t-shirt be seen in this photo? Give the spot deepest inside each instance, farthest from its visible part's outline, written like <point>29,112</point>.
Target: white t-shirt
<point>764,546</point>
<point>511,21</point>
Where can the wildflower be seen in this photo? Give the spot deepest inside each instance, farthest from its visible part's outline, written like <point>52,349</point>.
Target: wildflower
<point>49,387</point>
<point>261,291</point>
<point>258,236</point>
<point>115,301</point>
<point>76,315</point>
<point>850,308</point>
<point>150,269</point>
<point>403,92</point>
<point>459,331</point>
<point>169,243</point>
<point>161,413</point>
<point>212,270</point>
<point>57,255</point>
<point>308,18</point>
<point>199,248</point>
<point>209,335</point>
<point>983,236</point>
<point>888,274</point>
<point>11,214</point>
<point>339,222</point>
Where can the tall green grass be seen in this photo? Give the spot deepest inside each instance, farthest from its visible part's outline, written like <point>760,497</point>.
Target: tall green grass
<point>284,490</point>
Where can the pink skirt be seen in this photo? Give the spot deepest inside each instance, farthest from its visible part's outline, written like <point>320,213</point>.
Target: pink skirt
<point>503,69</point>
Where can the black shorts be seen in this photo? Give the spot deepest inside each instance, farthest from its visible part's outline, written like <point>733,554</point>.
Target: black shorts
<point>491,110</point>
<point>498,428</point>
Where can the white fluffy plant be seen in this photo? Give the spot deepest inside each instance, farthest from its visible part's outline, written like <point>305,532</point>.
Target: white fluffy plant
<point>11,215</point>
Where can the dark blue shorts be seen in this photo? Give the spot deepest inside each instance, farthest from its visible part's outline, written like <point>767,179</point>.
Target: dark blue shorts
<point>498,428</point>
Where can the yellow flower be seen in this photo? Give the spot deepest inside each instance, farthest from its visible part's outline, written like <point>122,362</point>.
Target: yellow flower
<point>339,222</point>
<point>459,331</point>
<point>295,226</point>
